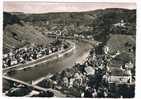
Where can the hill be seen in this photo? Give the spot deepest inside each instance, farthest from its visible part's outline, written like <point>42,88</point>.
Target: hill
<point>17,33</point>
<point>23,28</point>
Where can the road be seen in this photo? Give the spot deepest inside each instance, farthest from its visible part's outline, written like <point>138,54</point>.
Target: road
<point>67,61</point>
<point>42,59</point>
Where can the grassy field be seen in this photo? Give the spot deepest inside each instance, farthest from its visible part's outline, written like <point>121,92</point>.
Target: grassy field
<point>118,41</point>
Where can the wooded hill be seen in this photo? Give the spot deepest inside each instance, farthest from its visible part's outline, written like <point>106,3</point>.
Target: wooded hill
<point>21,28</point>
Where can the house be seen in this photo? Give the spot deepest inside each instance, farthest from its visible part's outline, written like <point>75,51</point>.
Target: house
<point>120,24</point>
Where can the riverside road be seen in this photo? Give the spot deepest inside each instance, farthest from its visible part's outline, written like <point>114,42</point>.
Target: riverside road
<point>80,52</point>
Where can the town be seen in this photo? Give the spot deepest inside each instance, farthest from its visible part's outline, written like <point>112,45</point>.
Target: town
<point>84,54</point>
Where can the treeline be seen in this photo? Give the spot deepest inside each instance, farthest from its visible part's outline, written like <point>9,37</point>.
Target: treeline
<point>9,19</point>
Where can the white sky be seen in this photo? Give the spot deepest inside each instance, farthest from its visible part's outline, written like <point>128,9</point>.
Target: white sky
<point>44,7</point>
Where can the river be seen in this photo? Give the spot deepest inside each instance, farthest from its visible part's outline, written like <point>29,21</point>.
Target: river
<point>67,61</point>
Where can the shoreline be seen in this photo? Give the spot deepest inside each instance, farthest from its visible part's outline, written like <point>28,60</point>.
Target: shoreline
<point>34,82</point>
<point>52,56</point>
<point>70,49</point>
<point>81,61</point>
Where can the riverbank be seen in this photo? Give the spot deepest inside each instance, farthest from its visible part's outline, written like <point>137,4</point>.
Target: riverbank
<point>41,60</point>
<point>78,61</point>
<point>54,66</point>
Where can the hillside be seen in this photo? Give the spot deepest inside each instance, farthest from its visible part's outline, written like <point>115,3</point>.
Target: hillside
<point>21,28</point>
<point>75,20</point>
<point>17,33</point>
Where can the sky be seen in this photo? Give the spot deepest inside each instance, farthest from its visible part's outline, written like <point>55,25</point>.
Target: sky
<point>45,7</point>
